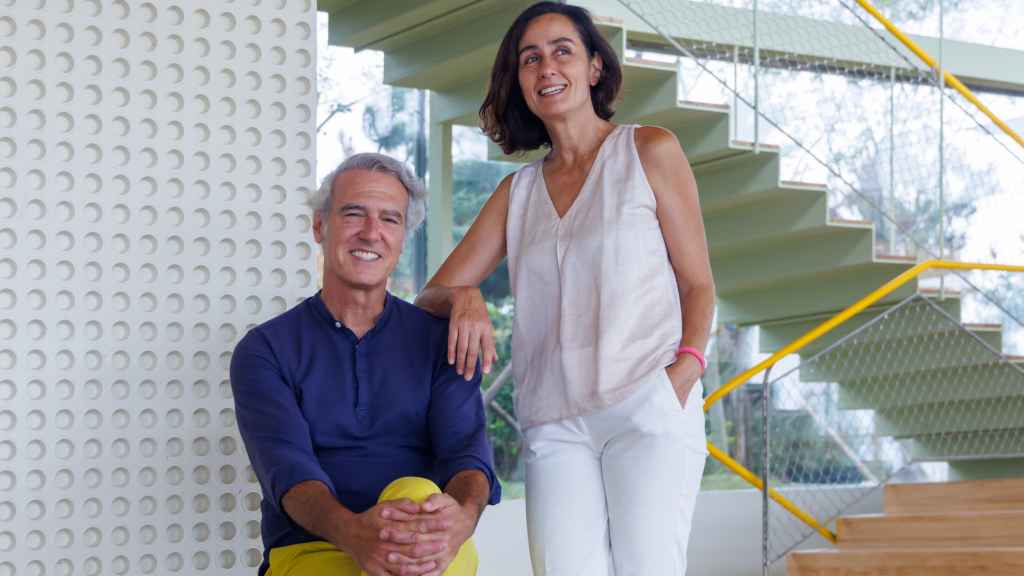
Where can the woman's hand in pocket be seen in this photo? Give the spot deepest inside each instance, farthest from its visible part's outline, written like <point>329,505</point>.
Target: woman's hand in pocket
<point>683,374</point>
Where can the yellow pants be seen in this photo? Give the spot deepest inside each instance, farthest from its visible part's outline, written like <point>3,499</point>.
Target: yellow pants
<point>322,558</point>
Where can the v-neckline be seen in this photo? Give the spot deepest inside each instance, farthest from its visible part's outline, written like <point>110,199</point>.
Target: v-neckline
<point>586,180</point>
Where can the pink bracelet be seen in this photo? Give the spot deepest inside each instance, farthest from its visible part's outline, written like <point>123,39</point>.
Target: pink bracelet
<point>696,354</point>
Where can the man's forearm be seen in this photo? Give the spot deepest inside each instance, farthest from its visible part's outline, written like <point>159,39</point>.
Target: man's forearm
<point>471,489</point>
<point>311,505</point>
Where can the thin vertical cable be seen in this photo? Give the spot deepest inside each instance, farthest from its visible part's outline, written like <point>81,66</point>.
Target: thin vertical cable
<point>940,74</point>
<point>892,161</point>
<point>757,87</point>
<point>765,470</point>
<point>734,117</point>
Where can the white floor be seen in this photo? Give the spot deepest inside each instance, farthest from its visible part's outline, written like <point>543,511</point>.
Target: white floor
<point>726,536</point>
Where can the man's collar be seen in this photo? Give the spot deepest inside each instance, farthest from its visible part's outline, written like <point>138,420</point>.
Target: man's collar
<point>320,308</point>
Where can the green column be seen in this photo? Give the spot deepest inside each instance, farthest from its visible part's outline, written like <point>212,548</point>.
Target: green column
<point>439,181</point>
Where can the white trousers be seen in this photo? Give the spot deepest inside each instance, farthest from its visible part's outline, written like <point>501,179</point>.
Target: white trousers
<point>613,493</point>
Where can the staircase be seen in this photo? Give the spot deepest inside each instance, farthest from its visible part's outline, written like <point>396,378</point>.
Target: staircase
<point>957,528</point>
<point>779,260</point>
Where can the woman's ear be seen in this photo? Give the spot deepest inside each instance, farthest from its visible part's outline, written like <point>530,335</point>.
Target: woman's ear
<point>596,68</point>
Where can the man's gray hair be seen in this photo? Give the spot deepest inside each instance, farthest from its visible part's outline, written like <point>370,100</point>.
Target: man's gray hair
<point>417,209</point>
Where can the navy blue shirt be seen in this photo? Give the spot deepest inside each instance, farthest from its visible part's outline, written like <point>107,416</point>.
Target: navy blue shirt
<point>315,403</point>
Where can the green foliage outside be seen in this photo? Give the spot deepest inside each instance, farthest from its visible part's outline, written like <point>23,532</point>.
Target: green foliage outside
<point>505,438</point>
<point>474,182</point>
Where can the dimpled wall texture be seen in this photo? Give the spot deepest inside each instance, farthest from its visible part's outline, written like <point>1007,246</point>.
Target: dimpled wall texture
<point>154,157</point>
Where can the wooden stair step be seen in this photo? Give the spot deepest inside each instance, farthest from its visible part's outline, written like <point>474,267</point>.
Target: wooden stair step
<point>936,530</point>
<point>975,496</point>
<point>1006,561</point>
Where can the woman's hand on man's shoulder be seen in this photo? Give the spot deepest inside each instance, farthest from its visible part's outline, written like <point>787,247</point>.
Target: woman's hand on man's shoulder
<point>470,332</point>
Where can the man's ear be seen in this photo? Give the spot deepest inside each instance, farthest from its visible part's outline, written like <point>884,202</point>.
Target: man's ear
<point>596,69</point>
<point>318,227</point>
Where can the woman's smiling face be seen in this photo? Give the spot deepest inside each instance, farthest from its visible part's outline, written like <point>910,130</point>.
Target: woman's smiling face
<point>555,70</point>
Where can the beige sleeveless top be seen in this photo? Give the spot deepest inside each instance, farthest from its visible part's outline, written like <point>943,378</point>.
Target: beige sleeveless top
<point>597,307</point>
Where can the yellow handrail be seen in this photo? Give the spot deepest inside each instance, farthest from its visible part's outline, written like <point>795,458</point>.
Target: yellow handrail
<point>950,79</point>
<point>752,478</point>
<point>801,342</point>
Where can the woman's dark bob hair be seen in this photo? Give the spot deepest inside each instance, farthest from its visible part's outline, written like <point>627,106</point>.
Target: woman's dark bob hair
<point>504,116</point>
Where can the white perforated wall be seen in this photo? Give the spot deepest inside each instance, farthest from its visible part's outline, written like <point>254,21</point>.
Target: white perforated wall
<point>154,157</point>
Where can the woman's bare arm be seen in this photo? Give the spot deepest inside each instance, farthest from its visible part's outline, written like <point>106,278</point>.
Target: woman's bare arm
<point>679,216</point>
<point>453,292</point>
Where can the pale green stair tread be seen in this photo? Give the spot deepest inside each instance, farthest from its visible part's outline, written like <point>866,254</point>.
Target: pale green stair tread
<point>961,416</point>
<point>854,362</point>
<point>733,181</point>
<point>646,87</point>
<point>372,23</point>
<point>452,49</point>
<point>793,214</point>
<point>968,446</point>
<point>825,293</point>
<point>987,469</point>
<point>983,381</point>
<point>817,253</point>
<point>774,336</point>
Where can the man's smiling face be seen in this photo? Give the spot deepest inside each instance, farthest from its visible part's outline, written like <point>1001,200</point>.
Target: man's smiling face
<point>363,233</point>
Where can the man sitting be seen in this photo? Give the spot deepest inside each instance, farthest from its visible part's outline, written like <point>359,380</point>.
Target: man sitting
<point>350,413</point>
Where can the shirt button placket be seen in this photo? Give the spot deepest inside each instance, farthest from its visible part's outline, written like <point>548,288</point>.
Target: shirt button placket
<point>362,383</point>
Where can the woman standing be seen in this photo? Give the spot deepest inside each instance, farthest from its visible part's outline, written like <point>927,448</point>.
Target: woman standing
<point>614,301</point>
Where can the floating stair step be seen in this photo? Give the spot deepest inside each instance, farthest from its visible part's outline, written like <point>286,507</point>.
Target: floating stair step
<point>961,416</point>
<point>997,379</point>
<point>901,357</point>
<point>987,468</point>
<point>968,448</point>
<point>936,530</point>
<point>819,251</point>
<point>776,335</point>
<point>451,50</point>
<point>977,496</point>
<point>382,25</point>
<point>793,214</point>
<point>736,180</point>
<point>908,562</point>
<point>827,293</point>
<point>646,88</point>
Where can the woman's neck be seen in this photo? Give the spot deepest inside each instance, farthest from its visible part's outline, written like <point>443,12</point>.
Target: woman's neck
<point>576,139</point>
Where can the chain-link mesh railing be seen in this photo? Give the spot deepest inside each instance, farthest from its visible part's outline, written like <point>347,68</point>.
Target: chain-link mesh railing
<point>910,386</point>
<point>851,107</point>
<point>854,109</point>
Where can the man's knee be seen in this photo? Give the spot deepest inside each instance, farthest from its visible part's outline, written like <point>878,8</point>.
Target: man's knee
<point>414,488</point>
